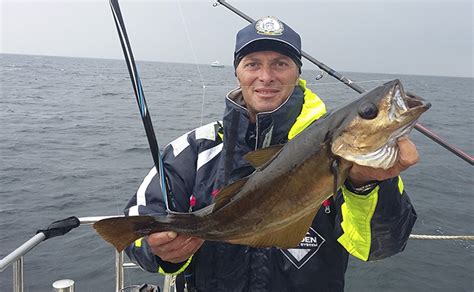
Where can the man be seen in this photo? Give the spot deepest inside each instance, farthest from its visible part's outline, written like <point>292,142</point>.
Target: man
<point>271,105</point>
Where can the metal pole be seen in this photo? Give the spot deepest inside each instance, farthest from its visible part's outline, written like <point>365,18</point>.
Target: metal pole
<point>18,275</point>
<point>20,251</point>
<point>39,237</point>
<point>92,219</point>
<point>119,281</point>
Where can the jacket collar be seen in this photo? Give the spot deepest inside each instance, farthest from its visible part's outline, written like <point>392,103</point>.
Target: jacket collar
<point>270,127</point>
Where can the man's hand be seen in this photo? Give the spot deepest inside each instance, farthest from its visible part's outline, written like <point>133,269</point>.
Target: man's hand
<point>408,156</point>
<point>173,247</point>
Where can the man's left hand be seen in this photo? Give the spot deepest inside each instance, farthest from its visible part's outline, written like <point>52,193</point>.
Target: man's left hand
<point>408,156</point>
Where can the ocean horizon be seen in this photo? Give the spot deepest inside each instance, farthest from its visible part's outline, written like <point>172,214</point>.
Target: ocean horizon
<point>229,65</point>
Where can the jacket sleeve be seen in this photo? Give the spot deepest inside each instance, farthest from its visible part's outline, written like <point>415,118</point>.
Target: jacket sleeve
<point>183,161</point>
<point>178,160</point>
<point>376,225</point>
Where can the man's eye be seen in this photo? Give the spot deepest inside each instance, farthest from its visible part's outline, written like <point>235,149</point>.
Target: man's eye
<point>281,64</point>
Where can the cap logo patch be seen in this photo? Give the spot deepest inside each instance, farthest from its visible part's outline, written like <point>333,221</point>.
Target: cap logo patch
<point>269,26</point>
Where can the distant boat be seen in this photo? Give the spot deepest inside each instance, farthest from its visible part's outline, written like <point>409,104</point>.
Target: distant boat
<point>216,64</point>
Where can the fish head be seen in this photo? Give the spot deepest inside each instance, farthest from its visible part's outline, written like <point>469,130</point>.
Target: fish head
<point>374,122</point>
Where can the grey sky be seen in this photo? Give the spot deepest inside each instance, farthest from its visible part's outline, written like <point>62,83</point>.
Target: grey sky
<point>404,37</point>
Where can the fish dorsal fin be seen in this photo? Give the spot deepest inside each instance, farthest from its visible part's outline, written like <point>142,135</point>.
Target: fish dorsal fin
<point>288,237</point>
<point>260,157</point>
<point>227,193</point>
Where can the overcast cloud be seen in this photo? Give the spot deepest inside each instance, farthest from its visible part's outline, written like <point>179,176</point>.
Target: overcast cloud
<point>403,37</point>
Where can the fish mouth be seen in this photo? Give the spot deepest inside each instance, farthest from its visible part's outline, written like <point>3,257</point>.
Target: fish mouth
<point>403,103</point>
<point>405,108</point>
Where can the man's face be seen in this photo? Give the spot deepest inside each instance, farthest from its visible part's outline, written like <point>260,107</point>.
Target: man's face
<point>267,78</point>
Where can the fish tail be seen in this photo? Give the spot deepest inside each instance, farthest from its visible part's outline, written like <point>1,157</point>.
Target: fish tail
<point>122,231</point>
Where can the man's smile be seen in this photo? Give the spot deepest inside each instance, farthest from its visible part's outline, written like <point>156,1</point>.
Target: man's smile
<point>267,92</point>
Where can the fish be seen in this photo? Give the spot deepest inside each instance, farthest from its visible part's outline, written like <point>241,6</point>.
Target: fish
<point>276,204</point>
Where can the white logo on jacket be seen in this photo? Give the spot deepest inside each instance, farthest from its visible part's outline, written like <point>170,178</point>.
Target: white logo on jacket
<point>307,248</point>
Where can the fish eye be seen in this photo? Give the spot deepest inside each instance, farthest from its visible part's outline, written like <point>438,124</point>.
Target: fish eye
<point>368,111</point>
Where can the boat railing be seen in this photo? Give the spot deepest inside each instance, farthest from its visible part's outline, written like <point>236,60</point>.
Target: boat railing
<point>61,227</point>
<point>16,257</point>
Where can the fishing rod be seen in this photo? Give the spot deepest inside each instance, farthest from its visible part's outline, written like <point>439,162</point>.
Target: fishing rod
<point>140,96</point>
<point>425,131</point>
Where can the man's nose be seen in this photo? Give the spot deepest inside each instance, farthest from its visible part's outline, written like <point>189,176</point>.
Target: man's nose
<point>266,74</point>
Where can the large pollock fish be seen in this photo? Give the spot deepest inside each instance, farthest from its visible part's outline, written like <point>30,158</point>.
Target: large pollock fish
<point>276,204</point>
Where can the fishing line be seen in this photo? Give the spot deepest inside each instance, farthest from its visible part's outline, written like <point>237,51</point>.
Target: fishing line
<point>101,94</point>
<point>337,83</point>
<point>195,60</point>
<point>319,84</point>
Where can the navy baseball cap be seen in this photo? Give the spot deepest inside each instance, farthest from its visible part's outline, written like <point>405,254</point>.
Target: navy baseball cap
<point>268,34</point>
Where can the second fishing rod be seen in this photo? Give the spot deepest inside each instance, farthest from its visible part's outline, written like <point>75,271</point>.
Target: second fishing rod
<point>425,131</point>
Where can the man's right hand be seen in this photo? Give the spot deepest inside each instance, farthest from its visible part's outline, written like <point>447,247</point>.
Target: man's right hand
<point>173,247</point>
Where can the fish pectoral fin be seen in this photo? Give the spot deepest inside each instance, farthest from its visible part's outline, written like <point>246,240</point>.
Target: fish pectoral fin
<point>227,193</point>
<point>260,157</point>
<point>122,231</point>
<point>288,237</point>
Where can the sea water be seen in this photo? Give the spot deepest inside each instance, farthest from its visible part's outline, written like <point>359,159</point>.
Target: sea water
<point>72,143</point>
